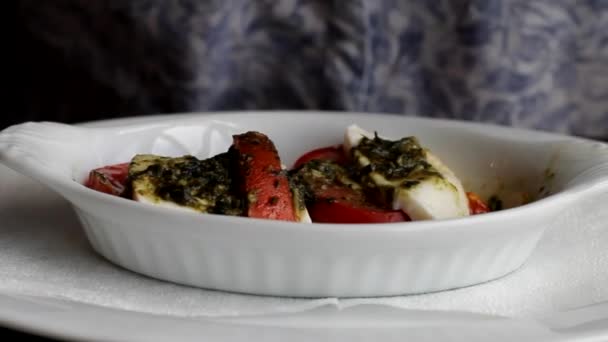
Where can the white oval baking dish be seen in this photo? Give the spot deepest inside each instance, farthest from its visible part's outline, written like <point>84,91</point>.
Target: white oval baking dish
<point>313,260</point>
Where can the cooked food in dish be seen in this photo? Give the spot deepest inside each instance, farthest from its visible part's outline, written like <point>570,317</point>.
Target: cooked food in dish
<point>367,179</point>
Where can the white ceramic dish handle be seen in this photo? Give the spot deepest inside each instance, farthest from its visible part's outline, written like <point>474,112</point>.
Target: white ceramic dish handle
<point>45,150</point>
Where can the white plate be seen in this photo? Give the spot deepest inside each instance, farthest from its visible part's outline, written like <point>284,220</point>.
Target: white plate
<point>77,321</point>
<point>290,259</point>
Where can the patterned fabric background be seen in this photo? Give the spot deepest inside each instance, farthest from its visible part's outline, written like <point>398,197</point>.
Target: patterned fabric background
<point>536,64</point>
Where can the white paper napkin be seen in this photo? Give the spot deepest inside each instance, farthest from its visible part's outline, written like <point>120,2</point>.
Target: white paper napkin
<point>43,252</point>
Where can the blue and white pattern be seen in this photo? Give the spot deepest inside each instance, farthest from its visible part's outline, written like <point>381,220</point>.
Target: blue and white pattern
<point>539,64</point>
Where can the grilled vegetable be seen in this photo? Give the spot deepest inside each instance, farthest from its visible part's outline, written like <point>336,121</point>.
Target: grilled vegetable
<point>263,180</point>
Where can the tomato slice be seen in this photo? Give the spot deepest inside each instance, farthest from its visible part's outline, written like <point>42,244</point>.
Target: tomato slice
<point>344,212</point>
<point>341,204</point>
<point>110,179</point>
<point>476,204</point>
<point>332,197</point>
<point>263,181</point>
<point>333,153</point>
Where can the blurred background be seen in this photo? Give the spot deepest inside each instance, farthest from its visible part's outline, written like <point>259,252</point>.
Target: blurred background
<point>533,64</point>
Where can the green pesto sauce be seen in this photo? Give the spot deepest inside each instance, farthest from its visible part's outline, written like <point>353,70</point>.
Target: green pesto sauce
<point>400,160</point>
<point>205,185</point>
<point>318,175</point>
<point>383,165</point>
<point>299,197</point>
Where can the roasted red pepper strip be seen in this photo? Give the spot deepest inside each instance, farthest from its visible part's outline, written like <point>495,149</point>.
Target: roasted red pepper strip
<point>110,179</point>
<point>263,181</point>
<point>476,204</point>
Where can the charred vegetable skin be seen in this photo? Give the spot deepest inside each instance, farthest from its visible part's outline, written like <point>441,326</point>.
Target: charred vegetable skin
<point>262,179</point>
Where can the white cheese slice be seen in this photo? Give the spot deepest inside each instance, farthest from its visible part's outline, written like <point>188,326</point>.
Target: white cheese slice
<point>431,199</point>
<point>353,136</point>
<point>462,202</point>
<point>154,200</point>
<point>144,190</point>
<point>304,217</point>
